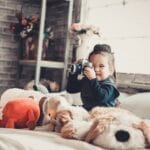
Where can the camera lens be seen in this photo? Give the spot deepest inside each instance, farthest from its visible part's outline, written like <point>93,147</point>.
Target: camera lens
<point>73,68</point>
<point>76,69</point>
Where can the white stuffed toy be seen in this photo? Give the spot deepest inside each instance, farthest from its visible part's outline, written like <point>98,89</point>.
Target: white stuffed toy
<point>110,128</point>
<point>118,126</point>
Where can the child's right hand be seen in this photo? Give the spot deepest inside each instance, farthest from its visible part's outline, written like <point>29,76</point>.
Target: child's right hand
<point>89,73</point>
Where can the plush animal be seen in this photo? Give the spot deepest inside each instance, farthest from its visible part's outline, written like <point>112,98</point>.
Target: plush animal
<point>110,128</point>
<point>54,104</point>
<point>20,113</point>
<point>48,108</point>
<point>62,112</point>
<point>48,111</point>
<point>52,86</point>
<point>42,100</point>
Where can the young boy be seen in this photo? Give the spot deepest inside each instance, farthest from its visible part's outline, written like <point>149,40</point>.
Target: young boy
<point>97,87</point>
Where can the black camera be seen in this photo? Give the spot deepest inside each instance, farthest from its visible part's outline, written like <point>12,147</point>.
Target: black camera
<point>78,68</point>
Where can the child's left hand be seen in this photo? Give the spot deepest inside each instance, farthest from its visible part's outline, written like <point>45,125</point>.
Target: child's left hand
<point>89,73</point>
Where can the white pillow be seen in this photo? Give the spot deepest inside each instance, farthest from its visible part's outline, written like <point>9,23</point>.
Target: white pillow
<point>139,104</point>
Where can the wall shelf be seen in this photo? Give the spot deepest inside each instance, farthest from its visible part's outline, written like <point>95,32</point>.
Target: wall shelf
<point>43,63</point>
<point>39,63</point>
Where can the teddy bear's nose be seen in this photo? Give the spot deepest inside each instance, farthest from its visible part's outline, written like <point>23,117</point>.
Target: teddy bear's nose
<point>122,135</point>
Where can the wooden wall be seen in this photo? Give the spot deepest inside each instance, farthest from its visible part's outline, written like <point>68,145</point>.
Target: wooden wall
<point>11,74</point>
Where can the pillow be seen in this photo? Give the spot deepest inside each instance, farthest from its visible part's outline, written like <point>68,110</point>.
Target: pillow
<point>139,104</point>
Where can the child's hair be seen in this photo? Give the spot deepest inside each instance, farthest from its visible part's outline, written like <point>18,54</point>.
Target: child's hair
<point>105,49</point>
<point>102,47</point>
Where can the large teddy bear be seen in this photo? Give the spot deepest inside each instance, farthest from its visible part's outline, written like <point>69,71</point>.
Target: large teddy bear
<point>110,128</point>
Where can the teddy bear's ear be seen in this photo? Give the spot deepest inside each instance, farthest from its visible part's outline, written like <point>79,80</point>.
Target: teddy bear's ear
<point>94,131</point>
<point>64,116</point>
<point>43,104</point>
<point>144,126</point>
<point>57,103</point>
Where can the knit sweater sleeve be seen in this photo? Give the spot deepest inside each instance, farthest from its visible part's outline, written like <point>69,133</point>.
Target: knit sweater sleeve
<point>105,93</point>
<point>73,84</point>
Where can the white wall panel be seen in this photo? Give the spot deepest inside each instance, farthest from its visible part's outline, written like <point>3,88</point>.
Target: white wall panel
<point>126,28</point>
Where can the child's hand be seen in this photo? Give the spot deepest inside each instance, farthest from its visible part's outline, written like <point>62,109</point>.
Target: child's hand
<point>89,73</point>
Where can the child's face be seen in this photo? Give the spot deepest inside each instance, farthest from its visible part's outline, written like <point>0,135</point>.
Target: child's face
<point>101,66</point>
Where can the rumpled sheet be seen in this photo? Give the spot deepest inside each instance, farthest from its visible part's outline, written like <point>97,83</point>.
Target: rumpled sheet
<point>22,139</point>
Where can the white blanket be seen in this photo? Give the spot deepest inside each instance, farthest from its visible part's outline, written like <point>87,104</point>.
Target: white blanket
<point>20,139</point>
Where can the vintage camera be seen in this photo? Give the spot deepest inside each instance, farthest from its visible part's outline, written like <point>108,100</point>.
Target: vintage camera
<point>78,68</point>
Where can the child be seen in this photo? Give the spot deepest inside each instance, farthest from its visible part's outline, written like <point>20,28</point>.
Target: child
<point>96,87</point>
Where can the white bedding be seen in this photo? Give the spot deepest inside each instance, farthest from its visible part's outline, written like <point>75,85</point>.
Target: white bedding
<point>139,104</point>
<point>41,139</point>
<point>21,139</point>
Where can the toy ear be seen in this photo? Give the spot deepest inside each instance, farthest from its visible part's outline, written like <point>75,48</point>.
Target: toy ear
<point>42,110</point>
<point>44,105</point>
<point>94,131</point>
<point>41,103</point>
<point>145,128</point>
<point>57,103</point>
<point>64,116</point>
<point>70,114</point>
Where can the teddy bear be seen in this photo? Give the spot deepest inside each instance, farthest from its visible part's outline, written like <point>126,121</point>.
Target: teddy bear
<point>20,113</point>
<point>110,128</point>
<point>61,112</point>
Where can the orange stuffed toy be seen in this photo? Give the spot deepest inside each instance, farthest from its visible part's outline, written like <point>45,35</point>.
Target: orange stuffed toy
<point>20,113</point>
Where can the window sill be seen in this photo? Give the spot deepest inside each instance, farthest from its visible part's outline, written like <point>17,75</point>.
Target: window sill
<point>133,83</point>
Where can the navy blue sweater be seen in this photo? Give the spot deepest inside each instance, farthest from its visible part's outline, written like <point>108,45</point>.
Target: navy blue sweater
<point>93,92</point>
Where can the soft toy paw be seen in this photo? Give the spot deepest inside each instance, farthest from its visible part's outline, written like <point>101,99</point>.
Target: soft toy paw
<point>145,128</point>
<point>76,129</point>
<point>20,113</point>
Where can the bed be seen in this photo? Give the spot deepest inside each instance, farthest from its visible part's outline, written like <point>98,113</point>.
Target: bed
<point>21,139</point>
<point>42,139</point>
